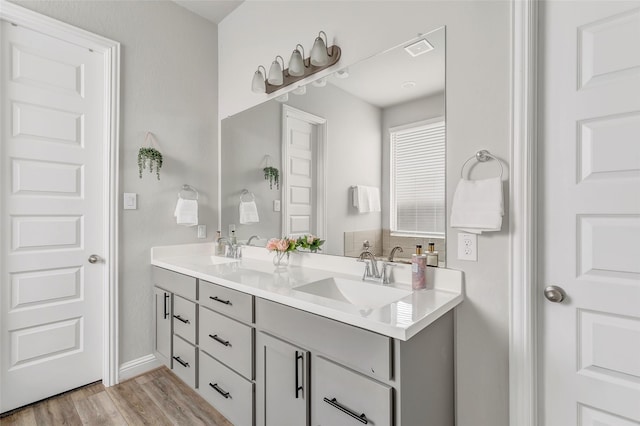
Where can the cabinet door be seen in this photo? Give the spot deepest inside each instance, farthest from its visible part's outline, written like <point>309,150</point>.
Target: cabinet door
<point>162,307</point>
<point>284,378</point>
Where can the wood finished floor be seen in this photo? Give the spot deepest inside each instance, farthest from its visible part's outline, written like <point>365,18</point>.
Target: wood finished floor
<point>154,398</point>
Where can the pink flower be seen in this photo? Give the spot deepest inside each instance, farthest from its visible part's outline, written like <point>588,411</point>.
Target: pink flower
<point>272,244</point>
<point>310,239</point>
<point>282,245</point>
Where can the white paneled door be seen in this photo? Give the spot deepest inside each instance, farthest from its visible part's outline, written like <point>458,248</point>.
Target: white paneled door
<point>589,158</point>
<point>303,194</point>
<point>52,215</point>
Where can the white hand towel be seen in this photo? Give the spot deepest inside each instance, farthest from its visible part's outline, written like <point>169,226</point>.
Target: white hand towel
<point>186,212</point>
<point>478,205</point>
<point>366,198</point>
<point>248,212</point>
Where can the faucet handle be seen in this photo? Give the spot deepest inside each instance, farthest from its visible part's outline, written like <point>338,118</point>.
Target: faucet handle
<point>385,274</point>
<point>367,269</point>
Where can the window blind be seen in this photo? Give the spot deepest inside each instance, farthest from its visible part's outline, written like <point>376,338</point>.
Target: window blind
<point>418,180</point>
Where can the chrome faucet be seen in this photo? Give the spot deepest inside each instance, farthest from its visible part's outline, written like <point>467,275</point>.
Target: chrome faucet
<point>251,238</point>
<point>393,252</point>
<point>373,272</point>
<point>231,250</point>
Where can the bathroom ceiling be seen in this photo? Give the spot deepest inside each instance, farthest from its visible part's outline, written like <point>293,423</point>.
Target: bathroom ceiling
<point>213,10</point>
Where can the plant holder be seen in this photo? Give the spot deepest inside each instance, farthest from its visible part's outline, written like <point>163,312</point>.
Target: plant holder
<point>150,156</point>
<point>273,176</point>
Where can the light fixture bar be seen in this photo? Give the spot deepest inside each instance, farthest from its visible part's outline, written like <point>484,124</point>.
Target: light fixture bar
<point>309,69</point>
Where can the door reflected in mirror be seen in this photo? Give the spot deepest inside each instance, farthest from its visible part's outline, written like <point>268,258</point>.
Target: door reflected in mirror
<point>361,157</point>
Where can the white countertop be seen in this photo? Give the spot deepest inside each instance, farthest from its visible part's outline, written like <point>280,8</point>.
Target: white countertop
<point>255,274</point>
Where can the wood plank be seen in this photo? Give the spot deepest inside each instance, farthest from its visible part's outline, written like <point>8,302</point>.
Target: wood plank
<point>136,406</point>
<point>99,409</point>
<point>149,375</point>
<point>86,391</point>
<point>58,410</point>
<point>24,417</point>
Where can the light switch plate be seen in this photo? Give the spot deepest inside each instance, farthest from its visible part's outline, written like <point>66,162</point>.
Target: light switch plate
<point>202,231</point>
<point>467,246</point>
<point>130,201</point>
<point>276,205</point>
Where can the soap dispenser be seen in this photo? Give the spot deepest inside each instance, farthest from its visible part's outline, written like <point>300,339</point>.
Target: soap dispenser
<point>418,269</point>
<point>432,255</point>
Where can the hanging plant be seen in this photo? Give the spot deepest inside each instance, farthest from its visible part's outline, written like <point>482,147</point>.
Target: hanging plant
<point>273,176</point>
<point>151,156</point>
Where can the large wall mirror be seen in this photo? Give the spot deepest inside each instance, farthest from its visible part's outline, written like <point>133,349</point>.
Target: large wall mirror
<point>360,157</point>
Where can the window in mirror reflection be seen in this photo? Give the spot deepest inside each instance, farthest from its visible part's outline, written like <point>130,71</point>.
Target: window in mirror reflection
<point>418,179</point>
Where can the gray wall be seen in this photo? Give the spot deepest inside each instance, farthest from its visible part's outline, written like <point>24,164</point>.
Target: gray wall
<point>354,146</point>
<point>168,86</point>
<point>478,63</point>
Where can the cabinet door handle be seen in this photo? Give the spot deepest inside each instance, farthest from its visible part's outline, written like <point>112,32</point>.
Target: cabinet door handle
<point>226,302</point>
<point>334,403</point>
<point>179,318</point>
<point>181,362</point>
<point>220,390</point>
<point>166,305</point>
<point>219,340</point>
<point>299,356</point>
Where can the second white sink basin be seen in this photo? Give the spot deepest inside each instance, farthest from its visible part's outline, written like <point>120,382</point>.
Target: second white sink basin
<point>358,293</point>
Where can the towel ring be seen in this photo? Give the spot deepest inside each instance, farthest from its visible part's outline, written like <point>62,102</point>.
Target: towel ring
<point>482,156</point>
<point>188,192</point>
<point>246,192</point>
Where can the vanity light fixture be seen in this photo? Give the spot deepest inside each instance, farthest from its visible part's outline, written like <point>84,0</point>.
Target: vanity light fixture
<point>276,73</point>
<point>319,52</point>
<point>297,63</point>
<point>258,84</point>
<point>343,73</point>
<point>300,90</point>
<point>321,82</point>
<point>321,57</point>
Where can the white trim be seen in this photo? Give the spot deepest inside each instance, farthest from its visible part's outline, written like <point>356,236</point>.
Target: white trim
<point>111,54</point>
<point>321,155</point>
<point>523,408</point>
<point>138,366</point>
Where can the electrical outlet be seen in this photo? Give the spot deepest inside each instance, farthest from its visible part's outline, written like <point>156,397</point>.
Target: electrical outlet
<point>467,246</point>
<point>202,231</point>
<point>232,228</point>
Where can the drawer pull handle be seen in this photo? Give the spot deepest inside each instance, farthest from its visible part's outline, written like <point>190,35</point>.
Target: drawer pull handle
<point>220,390</point>
<point>299,356</point>
<point>226,302</point>
<point>166,305</point>
<point>181,362</point>
<point>219,340</point>
<point>179,318</point>
<point>334,403</point>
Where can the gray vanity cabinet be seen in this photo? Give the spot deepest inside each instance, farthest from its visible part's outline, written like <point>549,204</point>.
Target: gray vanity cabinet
<point>283,376</point>
<point>162,313</point>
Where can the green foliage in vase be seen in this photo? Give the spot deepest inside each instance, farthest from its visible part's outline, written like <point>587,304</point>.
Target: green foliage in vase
<point>151,155</point>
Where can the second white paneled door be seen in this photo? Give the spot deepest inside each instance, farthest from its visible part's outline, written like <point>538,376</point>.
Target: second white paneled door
<point>590,214</point>
<point>52,215</point>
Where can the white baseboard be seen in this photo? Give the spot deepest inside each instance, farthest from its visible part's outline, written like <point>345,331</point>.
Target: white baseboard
<point>138,366</point>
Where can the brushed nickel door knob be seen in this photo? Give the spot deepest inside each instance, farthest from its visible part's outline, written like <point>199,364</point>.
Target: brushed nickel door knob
<point>554,294</point>
<point>94,258</point>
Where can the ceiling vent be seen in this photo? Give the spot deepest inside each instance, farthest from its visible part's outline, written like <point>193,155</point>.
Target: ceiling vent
<point>419,47</point>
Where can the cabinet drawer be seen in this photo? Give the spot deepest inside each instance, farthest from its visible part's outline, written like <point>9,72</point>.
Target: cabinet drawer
<point>227,301</point>
<point>226,390</point>
<point>227,340</point>
<point>360,349</point>
<point>176,283</point>
<point>340,395</point>
<point>184,319</point>
<point>184,361</point>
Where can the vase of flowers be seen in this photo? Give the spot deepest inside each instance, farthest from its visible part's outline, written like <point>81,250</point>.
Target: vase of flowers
<point>310,242</point>
<point>282,248</point>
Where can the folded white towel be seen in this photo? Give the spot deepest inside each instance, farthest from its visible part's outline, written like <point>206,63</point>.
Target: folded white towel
<point>248,212</point>
<point>186,212</point>
<point>478,205</point>
<point>366,198</point>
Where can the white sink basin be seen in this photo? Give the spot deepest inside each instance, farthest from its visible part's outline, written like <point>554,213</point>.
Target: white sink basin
<point>358,293</point>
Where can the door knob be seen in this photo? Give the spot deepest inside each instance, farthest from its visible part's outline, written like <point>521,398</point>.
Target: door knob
<point>554,294</point>
<point>94,258</point>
